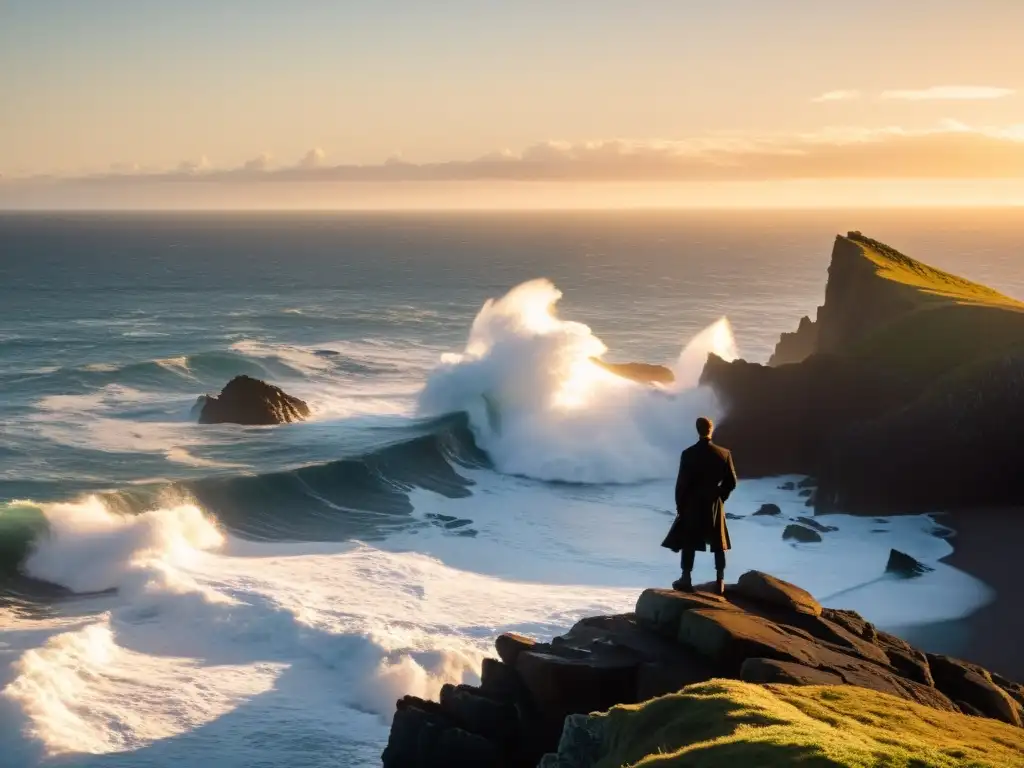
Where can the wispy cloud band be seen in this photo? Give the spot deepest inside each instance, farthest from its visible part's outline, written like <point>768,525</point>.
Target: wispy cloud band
<point>934,93</point>
<point>950,150</point>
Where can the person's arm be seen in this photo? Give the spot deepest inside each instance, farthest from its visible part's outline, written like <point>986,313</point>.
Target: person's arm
<point>682,483</point>
<point>729,481</point>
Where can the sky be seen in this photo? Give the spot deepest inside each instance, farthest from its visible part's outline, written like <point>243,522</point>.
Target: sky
<point>262,103</point>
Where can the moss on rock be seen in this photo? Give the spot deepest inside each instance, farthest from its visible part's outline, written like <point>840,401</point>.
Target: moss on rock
<point>725,723</point>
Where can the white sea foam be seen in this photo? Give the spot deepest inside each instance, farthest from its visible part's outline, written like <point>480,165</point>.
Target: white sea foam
<point>101,420</point>
<point>209,646</point>
<point>542,409</point>
<point>210,641</point>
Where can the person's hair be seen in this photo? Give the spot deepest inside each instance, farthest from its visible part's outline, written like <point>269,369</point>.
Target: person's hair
<point>705,426</point>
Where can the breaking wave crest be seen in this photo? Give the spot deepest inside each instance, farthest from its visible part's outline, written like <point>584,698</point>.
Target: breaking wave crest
<point>541,408</point>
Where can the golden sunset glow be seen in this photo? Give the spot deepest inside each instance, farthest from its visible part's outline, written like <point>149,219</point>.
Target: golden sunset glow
<point>521,106</point>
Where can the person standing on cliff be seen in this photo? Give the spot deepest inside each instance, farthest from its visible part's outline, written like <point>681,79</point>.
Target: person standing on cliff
<point>706,478</point>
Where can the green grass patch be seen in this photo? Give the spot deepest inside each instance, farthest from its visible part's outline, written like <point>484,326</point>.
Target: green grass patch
<point>892,265</point>
<point>726,723</point>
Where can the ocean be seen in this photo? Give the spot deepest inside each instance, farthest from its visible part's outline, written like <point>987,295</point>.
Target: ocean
<point>182,594</point>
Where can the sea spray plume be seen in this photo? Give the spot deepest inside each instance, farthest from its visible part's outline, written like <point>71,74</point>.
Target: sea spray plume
<point>717,338</point>
<point>540,408</point>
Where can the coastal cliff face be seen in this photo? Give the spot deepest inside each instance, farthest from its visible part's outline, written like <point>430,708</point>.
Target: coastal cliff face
<point>871,286</point>
<point>699,660</point>
<point>902,395</point>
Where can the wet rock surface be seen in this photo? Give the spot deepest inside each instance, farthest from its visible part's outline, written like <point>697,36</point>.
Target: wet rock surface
<point>249,401</point>
<point>764,630</point>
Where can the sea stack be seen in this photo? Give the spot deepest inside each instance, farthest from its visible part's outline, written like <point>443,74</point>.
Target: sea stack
<point>245,400</point>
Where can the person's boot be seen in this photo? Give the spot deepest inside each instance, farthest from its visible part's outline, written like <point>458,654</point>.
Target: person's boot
<point>720,584</point>
<point>683,583</point>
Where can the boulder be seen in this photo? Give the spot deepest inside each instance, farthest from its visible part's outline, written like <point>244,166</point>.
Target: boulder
<point>832,635</point>
<point>472,711</point>
<point>770,510</point>
<point>887,681</point>
<point>622,635</point>
<point>911,664</point>
<point>559,686</point>
<point>772,671</point>
<point>967,682</point>
<point>801,533</point>
<point>499,681</point>
<point>245,400</point>
<point>810,522</point>
<point>764,631</point>
<point>851,621</point>
<point>788,486</point>
<point>421,735</point>
<point>764,588</point>
<point>903,565</point>
<point>662,609</point>
<point>728,638</point>
<point>510,644</point>
<point>1016,690</point>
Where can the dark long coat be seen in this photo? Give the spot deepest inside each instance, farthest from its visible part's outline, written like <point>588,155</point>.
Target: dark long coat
<point>706,478</point>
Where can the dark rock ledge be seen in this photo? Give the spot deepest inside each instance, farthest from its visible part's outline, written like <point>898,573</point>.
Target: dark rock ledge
<point>763,631</point>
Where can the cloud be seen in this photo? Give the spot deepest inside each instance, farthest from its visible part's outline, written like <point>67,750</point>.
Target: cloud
<point>948,92</point>
<point>259,164</point>
<point>194,166</point>
<point>312,159</point>
<point>838,96</point>
<point>950,149</point>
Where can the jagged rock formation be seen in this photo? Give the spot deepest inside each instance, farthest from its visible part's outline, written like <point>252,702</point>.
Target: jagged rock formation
<point>903,394</point>
<point>763,631</point>
<point>903,565</point>
<point>245,400</point>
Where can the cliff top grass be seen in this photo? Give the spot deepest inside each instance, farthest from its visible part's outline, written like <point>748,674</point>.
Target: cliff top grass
<point>726,723</point>
<point>892,265</point>
<point>957,322</point>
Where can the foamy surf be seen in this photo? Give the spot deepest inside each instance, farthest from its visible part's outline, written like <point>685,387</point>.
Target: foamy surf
<point>321,642</point>
<point>186,640</point>
<point>541,408</point>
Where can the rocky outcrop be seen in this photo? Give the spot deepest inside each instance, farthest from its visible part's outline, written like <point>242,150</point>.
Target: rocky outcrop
<point>870,287</point>
<point>764,630</point>
<point>644,373</point>
<point>779,420</point>
<point>245,400</point>
<point>902,395</point>
<point>801,533</point>
<point>903,565</point>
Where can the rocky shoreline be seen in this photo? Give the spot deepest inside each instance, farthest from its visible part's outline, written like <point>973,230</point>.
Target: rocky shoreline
<point>904,394</point>
<point>763,631</point>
